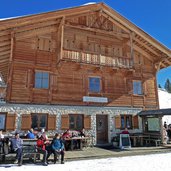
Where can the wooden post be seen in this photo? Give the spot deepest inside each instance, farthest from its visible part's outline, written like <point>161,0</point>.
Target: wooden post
<point>62,36</point>
<point>10,69</point>
<point>131,44</point>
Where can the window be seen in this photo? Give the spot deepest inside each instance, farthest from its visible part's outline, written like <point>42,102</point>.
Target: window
<point>76,122</point>
<point>126,121</point>
<point>39,121</point>
<point>2,121</point>
<point>42,80</point>
<point>94,84</point>
<point>137,87</point>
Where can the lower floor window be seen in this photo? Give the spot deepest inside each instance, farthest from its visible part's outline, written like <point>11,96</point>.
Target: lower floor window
<point>126,121</point>
<point>2,121</point>
<point>39,121</point>
<point>76,121</point>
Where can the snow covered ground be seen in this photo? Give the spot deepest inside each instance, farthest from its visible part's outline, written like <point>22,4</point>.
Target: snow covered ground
<point>165,102</point>
<point>155,162</point>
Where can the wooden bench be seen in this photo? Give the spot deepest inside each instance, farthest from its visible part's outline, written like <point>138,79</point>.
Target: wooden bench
<point>152,139</point>
<point>29,151</point>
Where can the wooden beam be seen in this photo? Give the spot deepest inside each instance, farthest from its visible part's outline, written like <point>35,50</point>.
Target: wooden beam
<point>148,48</point>
<point>10,68</point>
<point>112,33</point>
<point>62,36</point>
<point>5,52</point>
<point>35,32</point>
<point>130,26</point>
<point>47,16</point>
<point>141,51</point>
<point>106,13</point>
<point>36,25</point>
<point>5,43</point>
<point>131,46</point>
<point>5,48</point>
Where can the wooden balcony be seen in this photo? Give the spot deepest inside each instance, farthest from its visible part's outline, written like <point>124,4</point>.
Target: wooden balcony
<point>96,59</point>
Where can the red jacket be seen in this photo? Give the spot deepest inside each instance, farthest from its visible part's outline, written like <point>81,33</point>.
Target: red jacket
<point>40,144</point>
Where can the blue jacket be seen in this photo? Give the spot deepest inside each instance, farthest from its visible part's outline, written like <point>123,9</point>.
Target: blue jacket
<point>30,135</point>
<point>57,144</point>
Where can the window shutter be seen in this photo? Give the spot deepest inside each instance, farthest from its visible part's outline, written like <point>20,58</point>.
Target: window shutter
<point>51,122</point>
<point>117,122</point>
<point>25,122</point>
<point>135,122</point>
<point>87,121</point>
<point>129,86</point>
<point>10,122</point>
<point>65,122</point>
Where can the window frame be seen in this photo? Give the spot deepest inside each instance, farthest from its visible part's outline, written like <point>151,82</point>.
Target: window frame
<point>75,122</point>
<point>48,80</point>
<point>38,121</point>
<point>4,114</point>
<point>100,85</point>
<point>137,90</point>
<point>126,118</point>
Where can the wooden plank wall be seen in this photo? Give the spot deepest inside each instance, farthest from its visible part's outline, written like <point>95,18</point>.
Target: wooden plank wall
<point>69,80</point>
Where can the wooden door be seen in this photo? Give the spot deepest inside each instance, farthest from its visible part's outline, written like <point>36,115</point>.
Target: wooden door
<point>102,129</point>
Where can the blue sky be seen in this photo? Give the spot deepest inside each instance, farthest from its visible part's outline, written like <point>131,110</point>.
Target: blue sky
<point>153,16</point>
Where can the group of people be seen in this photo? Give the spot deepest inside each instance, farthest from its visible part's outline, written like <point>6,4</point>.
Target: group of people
<point>44,146</point>
<point>166,133</point>
<point>71,134</point>
<point>57,146</point>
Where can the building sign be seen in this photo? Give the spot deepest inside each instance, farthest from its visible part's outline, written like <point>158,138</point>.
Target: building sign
<point>95,99</point>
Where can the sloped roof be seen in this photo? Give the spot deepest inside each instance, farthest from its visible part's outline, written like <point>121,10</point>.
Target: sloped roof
<point>27,24</point>
<point>155,112</point>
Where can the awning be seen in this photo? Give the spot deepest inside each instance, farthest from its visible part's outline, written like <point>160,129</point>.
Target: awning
<point>155,112</point>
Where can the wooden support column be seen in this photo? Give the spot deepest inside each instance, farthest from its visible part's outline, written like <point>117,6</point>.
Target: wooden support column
<point>131,45</point>
<point>10,69</point>
<point>61,27</point>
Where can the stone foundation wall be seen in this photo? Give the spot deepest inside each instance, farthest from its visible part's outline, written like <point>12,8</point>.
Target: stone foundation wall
<point>57,110</point>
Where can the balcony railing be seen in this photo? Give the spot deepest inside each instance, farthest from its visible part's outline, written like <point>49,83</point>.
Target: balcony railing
<point>96,59</point>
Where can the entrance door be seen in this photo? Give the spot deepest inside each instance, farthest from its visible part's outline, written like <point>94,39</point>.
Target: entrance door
<point>102,129</point>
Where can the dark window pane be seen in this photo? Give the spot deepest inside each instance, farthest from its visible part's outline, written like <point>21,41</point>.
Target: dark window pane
<point>39,121</point>
<point>43,120</point>
<point>34,121</point>
<point>79,122</point>
<point>71,122</point>
<point>2,121</point>
<point>76,122</point>
<point>122,122</point>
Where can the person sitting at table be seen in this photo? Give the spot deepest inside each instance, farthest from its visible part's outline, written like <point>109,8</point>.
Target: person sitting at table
<point>76,142</point>
<point>45,137</point>
<point>57,148</point>
<point>82,133</point>
<point>41,148</point>
<point>30,134</point>
<point>66,135</point>
<point>17,147</point>
<point>125,131</point>
<point>1,141</point>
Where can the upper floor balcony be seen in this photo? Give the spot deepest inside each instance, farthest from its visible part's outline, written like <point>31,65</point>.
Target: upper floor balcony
<point>96,59</point>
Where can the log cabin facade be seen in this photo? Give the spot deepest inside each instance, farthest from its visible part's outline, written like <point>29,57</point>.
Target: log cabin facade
<point>80,67</point>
